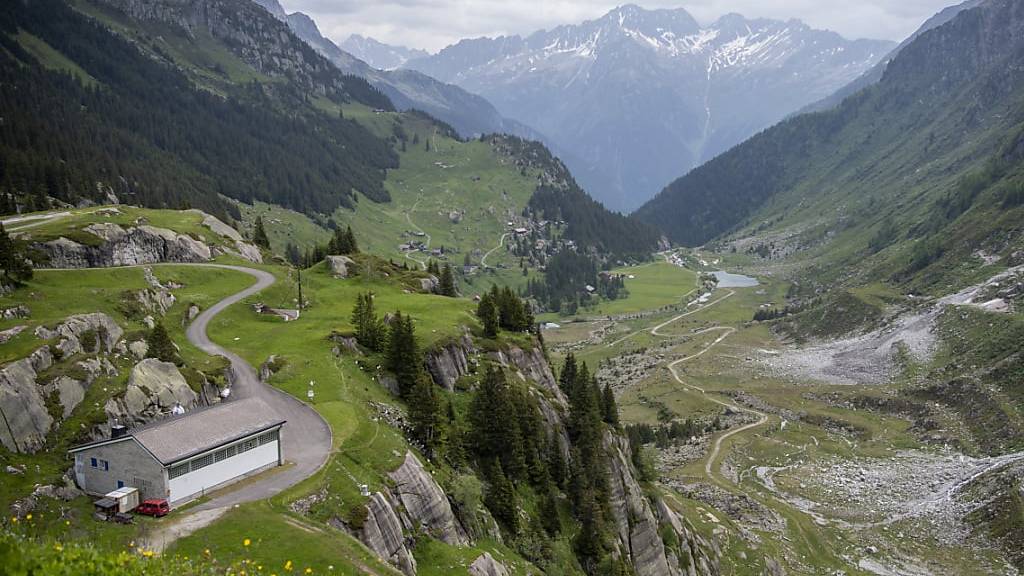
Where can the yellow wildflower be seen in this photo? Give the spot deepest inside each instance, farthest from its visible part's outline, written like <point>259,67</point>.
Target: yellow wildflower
<point>58,547</point>
<point>28,516</point>
<point>14,519</point>
<point>246,542</point>
<point>309,570</point>
<point>288,565</point>
<point>148,553</point>
<point>207,551</point>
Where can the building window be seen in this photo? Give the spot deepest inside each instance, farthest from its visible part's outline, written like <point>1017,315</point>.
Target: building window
<point>179,470</point>
<point>92,462</point>
<point>99,464</point>
<point>120,483</point>
<point>268,437</point>
<point>202,462</point>
<point>247,445</point>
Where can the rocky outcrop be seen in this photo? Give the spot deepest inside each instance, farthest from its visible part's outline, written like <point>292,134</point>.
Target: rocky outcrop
<point>429,284</point>
<point>154,387</point>
<point>425,502</point>
<point>24,419</point>
<point>19,311</point>
<point>89,333</point>
<point>340,266</point>
<point>7,335</point>
<point>450,362</point>
<point>639,526</point>
<point>486,565</point>
<point>382,533</point>
<point>117,246</point>
<point>530,364</point>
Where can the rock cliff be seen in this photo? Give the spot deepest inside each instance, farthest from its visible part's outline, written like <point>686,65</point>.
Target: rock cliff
<point>117,246</point>
<point>425,502</point>
<point>154,387</point>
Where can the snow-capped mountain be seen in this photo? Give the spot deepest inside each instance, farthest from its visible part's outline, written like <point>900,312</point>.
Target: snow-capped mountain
<point>638,97</point>
<point>378,54</point>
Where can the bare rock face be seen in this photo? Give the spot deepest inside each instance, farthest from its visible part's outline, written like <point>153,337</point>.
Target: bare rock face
<point>19,311</point>
<point>638,523</point>
<point>340,265</point>
<point>532,365</point>
<point>486,565</point>
<point>139,349</point>
<point>429,284</point>
<point>103,330</point>
<point>117,246</point>
<point>70,393</point>
<point>382,533</point>
<point>249,251</point>
<point>7,335</point>
<point>154,387</point>
<point>23,406</point>
<point>450,362</point>
<point>218,227</point>
<point>426,503</point>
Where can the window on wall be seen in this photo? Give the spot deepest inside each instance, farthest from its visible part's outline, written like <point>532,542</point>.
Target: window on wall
<point>99,464</point>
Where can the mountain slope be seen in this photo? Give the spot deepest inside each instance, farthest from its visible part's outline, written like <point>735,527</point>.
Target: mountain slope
<point>379,55</point>
<point>926,163</point>
<point>468,113</point>
<point>248,136</point>
<point>638,97</point>
<point>875,74</point>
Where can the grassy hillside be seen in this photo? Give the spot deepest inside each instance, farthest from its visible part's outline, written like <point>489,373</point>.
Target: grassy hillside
<point>905,181</point>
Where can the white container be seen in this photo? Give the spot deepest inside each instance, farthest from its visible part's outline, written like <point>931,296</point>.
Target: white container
<point>127,499</point>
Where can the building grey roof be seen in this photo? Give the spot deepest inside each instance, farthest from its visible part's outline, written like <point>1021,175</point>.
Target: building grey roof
<point>179,437</point>
<point>193,433</point>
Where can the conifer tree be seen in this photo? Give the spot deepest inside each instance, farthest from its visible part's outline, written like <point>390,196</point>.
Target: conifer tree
<point>160,345</point>
<point>487,312</point>
<point>259,234</point>
<point>16,269</point>
<point>369,328</point>
<point>447,281</point>
<point>402,354</point>
<point>425,415</point>
<point>609,408</point>
<point>500,497</point>
<point>350,239</point>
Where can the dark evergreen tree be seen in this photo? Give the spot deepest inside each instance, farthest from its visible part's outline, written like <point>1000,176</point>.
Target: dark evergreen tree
<point>487,312</point>
<point>425,414</point>
<point>500,497</point>
<point>15,266</point>
<point>403,358</point>
<point>447,287</point>
<point>160,345</point>
<point>610,410</point>
<point>369,328</point>
<point>259,234</point>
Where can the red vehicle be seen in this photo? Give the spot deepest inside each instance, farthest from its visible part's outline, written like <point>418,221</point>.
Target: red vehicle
<point>157,507</point>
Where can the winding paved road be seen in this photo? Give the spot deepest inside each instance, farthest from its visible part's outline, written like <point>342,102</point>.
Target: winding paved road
<point>306,437</point>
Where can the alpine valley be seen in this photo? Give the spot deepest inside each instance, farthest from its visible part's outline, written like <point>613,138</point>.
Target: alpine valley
<point>273,302</point>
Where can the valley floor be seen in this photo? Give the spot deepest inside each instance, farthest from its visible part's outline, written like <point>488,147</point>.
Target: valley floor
<point>795,467</point>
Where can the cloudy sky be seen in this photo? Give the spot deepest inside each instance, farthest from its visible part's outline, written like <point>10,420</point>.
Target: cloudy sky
<point>433,24</point>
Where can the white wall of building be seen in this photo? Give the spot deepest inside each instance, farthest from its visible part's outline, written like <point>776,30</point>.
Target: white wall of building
<point>209,477</point>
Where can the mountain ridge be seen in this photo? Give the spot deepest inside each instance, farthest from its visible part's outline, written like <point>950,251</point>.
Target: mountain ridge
<point>637,97</point>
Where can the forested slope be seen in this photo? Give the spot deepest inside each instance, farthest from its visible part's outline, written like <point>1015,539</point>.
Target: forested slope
<point>926,163</point>
<point>130,120</point>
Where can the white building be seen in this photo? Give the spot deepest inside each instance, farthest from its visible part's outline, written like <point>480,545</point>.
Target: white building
<point>184,457</point>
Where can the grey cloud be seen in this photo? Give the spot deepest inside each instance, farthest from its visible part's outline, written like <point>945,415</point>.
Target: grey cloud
<point>433,24</point>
